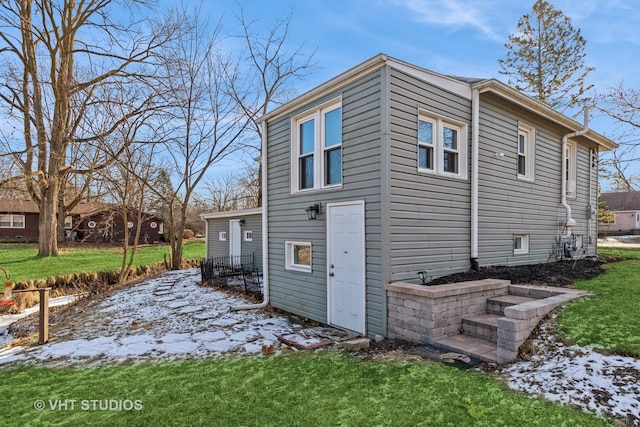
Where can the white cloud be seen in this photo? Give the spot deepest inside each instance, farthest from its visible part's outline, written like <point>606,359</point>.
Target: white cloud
<point>452,13</point>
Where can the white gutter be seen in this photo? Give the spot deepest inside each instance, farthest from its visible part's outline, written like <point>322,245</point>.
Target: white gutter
<point>570,222</point>
<point>265,234</point>
<point>475,140</point>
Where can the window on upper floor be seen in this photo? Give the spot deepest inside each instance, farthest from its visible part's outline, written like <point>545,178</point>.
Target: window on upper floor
<point>526,149</point>
<point>442,146</point>
<point>571,172</point>
<point>11,221</point>
<point>316,147</point>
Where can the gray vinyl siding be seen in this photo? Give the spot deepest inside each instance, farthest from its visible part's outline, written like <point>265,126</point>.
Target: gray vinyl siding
<point>429,214</point>
<point>305,294</point>
<point>509,206</point>
<point>216,248</point>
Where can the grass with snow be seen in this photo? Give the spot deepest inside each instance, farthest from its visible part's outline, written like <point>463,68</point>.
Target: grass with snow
<point>608,320</point>
<point>294,390</point>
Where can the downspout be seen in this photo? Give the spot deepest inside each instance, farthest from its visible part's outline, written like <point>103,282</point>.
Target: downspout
<point>570,222</point>
<point>265,223</point>
<point>475,139</point>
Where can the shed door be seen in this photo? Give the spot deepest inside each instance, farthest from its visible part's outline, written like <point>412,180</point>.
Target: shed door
<point>235,234</point>
<point>346,265</point>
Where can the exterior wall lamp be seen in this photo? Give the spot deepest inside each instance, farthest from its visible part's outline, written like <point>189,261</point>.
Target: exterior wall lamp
<point>424,277</point>
<point>313,211</point>
<point>242,221</point>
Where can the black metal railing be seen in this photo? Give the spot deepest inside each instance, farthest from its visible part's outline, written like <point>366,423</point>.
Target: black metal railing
<point>233,272</point>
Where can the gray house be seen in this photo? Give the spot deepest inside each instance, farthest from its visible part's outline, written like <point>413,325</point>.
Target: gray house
<point>234,234</point>
<point>390,172</point>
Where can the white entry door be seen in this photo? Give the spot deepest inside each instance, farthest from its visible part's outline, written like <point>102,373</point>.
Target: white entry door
<point>346,265</point>
<point>235,234</point>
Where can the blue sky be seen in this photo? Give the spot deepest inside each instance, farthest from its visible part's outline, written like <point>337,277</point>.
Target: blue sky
<point>460,37</point>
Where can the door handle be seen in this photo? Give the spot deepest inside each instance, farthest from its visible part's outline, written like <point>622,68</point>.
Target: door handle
<point>331,274</point>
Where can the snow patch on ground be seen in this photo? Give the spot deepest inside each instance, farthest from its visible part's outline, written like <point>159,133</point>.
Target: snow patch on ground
<point>607,385</point>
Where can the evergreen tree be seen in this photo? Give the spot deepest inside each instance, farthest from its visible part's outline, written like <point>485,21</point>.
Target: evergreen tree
<point>545,59</point>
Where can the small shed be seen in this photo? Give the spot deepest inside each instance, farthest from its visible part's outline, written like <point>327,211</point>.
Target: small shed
<point>235,234</point>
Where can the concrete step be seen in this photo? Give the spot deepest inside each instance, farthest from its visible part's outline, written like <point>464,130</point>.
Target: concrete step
<point>474,347</point>
<point>496,305</point>
<point>484,325</point>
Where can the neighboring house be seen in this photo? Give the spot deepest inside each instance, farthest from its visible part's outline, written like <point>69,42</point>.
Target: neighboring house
<point>18,220</point>
<point>626,208</point>
<point>235,233</point>
<point>92,221</point>
<point>413,171</point>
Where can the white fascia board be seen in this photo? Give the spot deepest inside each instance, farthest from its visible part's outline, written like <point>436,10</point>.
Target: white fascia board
<point>231,214</point>
<point>543,110</point>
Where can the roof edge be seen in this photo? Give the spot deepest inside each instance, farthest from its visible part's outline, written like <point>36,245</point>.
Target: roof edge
<point>511,94</point>
<point>231,214</point>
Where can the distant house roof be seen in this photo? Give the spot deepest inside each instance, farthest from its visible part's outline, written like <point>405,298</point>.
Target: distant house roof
<point>625,201</point>
<point>29,206</point>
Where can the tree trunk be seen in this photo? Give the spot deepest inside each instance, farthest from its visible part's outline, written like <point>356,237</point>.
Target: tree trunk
<point>48,221</point>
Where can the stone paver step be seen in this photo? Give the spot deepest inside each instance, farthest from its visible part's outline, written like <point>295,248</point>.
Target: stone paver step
<point>483,325</point>
<point>496,305</point>
<point>474,347</point>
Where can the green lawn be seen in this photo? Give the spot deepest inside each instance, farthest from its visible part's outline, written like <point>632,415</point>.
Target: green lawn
<point>23,263</point>
<point>608,320</point>
<point>294,390</point>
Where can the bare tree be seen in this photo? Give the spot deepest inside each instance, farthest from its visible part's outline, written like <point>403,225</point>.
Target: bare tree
<point>64,93</point>
<point>232,191</point>
<point>128,182</point>
<point>270,67</point>
<point>204,124</point>
<point>623,106</point>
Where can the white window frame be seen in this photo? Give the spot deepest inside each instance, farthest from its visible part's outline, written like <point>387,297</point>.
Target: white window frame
<point>528,133</point>
<point>571,169</point>
<point>524,246</point>
<point>13,220</point>
<point>439,123</point>
<point>68,222</point>
<point>222,236</point>
<point>319,149</point>
<point>248,236</point>
<point>290,263</point>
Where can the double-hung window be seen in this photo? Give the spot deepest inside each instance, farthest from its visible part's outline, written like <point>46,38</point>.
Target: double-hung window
<point>442,147</point>
<point>526,152</point>
<point>11,221</point>
<point>317,148</point>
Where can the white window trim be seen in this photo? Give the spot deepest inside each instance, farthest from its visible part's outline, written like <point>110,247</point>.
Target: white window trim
<point>529,133</point>
<point>319,147</point>
<point>247,236</point>
<point>525,244</point>
<point>12,220</point>
<point>572,177</point>
<point>438,148</point>
<point>289,263</point>
<point>222,236</point>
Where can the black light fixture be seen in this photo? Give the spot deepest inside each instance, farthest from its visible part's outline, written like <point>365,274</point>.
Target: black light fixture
<point>424,277</point>
<point>313,211</point>
<point>242,221</point>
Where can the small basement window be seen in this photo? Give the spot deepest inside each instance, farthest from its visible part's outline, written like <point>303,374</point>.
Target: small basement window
<point>520,244</point>
<point>298,256</point>
<point>222,236</point>
<point>248,236</point>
